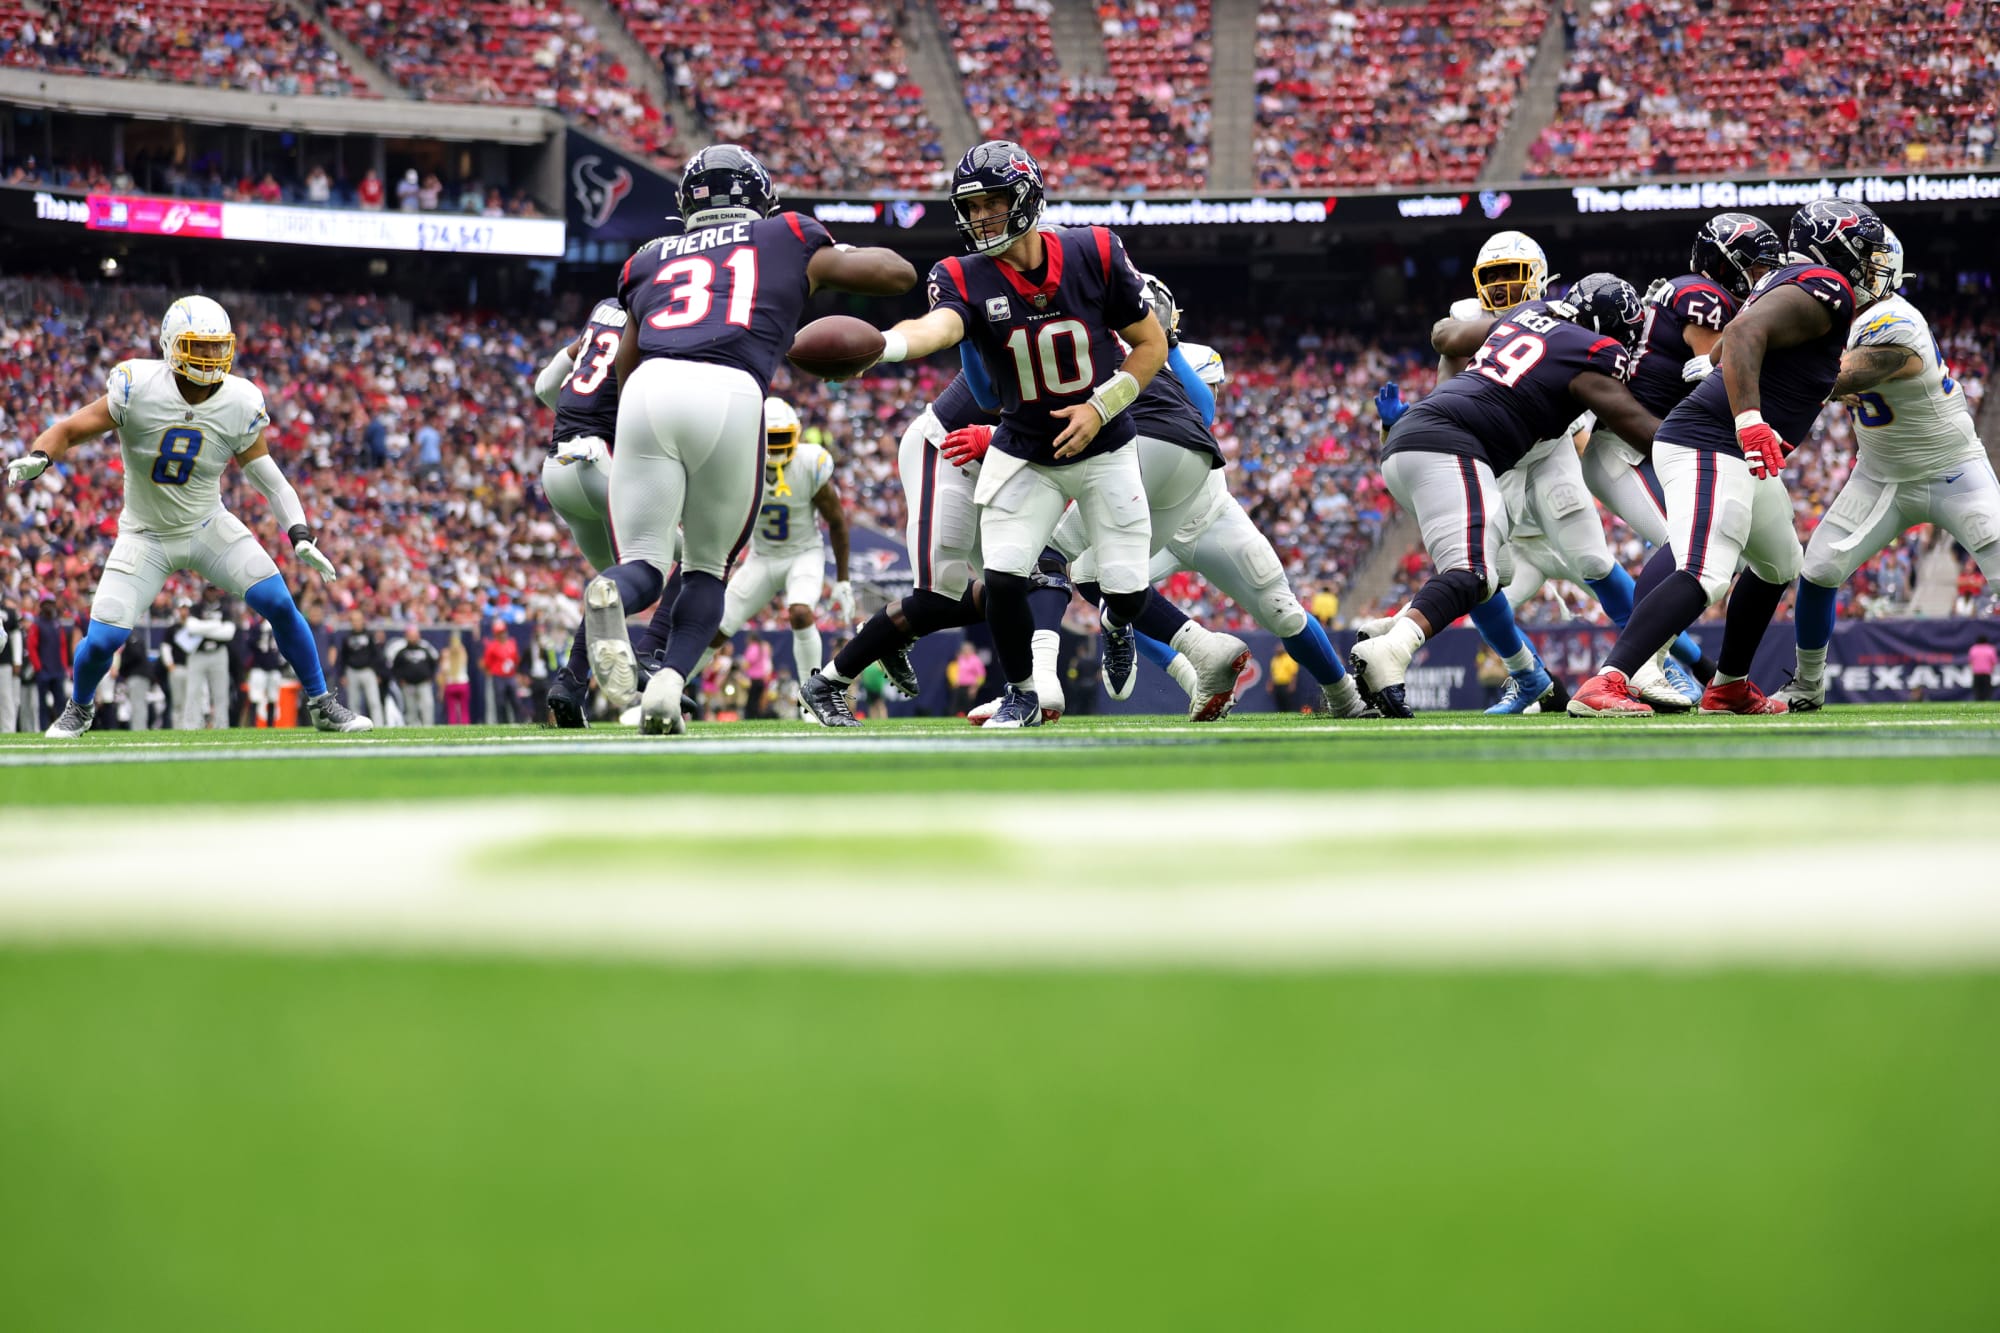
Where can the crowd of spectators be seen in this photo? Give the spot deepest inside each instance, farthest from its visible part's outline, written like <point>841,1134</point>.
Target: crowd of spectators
<point>258,46</point>
<point>206,176</point>
<point>531,52</point>
<point>1351,94</point>
<point>1684,87</point>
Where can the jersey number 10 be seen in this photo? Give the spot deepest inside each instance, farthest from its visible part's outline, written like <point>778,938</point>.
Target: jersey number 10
<point>1042,371</point>
<point>690,301</point>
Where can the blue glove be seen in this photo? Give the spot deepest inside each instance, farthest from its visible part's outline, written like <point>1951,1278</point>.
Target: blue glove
<point>1389,404</point>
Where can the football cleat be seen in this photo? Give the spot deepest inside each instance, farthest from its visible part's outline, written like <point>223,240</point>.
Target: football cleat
<point>569,701</point>
<point>1682,680</point>
<point>1379,667</point>
<point>1218,661</point>
<point>1650,683</point>
<point>1739,696</point>
<point>902,671</point>
<point>1607,694</point>
<point>826,703</point>
<point>1373,628</point>
<point>1801,696</point>
<point>1121,659</point>
<point>74,722</point>
<point>610,651</point>
<point>1018,708</point>
<point>329,714</point>
<point>1342,699</point>
<point>660,707</point>
<point>1523,690</point>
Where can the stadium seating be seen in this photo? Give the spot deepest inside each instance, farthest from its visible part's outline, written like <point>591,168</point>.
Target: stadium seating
<point>820,87</point>
<point>1381,94</point>
<point>1667,87</point>
<point>257,45</point>
<point>1145,126</point>
<point>540,54</point>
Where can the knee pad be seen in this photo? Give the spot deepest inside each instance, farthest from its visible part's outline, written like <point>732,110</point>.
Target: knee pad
<point>926,612</point>
<point>1450,595</point>
<point>1715,584</point>
<point>1051,570</point>
<point>1594,566</point>
<point>1823,567</point>
<point>1127,606</point>
<point>1503,569</point>
<point>1283,615</point>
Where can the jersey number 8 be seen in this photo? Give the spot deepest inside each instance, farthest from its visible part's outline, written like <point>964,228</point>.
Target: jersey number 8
<point>178,449</point>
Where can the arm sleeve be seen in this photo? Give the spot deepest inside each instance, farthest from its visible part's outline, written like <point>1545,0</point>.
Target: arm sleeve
<point>548,384</point>
<point>264,474</point>
<point>1202,396</point>
<point>977,381</point>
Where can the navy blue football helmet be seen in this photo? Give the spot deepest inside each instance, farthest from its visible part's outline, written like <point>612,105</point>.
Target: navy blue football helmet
<point>1729,245</point>
<point>998,166</point>
<point>1848,238</point>
<point>1610,305</point>
<point>723,178</point>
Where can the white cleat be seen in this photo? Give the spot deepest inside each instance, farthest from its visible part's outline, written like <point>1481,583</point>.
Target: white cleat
<point>630,717</point>
<point>329,714</point>
<point>1218,661</point>
<point>74,722</point>
<point>660,710</point>
<point>1802,695</point>
<point>1374,627</point>
<point>1342,700</point>
<point>609,649</point>
<point>1650,684</point>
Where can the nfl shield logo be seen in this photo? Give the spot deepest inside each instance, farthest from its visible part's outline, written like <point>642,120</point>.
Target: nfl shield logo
<point>1039,301</point>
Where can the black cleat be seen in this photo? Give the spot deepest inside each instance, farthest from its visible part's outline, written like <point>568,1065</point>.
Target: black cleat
<point>1389,702</point>
<point>1121,659</point>
<point>826,703</point>
<point>902,671</point>
<point>1019,708</point>
<point>569,701</point>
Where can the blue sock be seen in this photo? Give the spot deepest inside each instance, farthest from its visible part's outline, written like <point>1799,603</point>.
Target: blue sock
<point>697,616</point>
<point>1494,618</point>
<point>1685,650</point>
<point>639,584</point>
<point>1314,652</point>
<point>1814,614</point>
<point>1614,594</point>
<point>272,600</point>
<point>101,643</point>
<point>1156,652</point>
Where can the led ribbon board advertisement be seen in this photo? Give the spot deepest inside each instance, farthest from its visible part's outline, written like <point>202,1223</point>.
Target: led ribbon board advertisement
<point>206,219</point>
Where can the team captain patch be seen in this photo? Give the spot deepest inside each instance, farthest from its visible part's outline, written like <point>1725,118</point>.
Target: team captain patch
<point>997,309</point>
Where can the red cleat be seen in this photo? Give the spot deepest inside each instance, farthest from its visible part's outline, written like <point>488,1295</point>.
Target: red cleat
<point>1606,694</point>
<point>1739,696</point>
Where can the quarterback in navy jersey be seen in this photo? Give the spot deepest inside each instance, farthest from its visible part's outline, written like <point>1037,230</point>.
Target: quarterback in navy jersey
<point>711,311</point>
<point>1533,371</point>
<point>1045,310</point>
<point>1720,451</point>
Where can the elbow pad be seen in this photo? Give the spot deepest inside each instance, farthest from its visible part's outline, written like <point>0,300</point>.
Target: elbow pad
<point>1115,395</point>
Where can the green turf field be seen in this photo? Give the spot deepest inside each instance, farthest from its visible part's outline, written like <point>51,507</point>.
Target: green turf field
<point>1500,1027</point>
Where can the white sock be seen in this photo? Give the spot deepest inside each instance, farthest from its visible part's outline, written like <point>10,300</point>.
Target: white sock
<point>1724,678</point>
<point>1405,634</point>
<point>1042,646</point>
<point>1188,638</point>
<point>1812,663</point>
<point>1522,660</point>
<point>806,651</point>
<point>1611,671</point>
<point>1184,675</point>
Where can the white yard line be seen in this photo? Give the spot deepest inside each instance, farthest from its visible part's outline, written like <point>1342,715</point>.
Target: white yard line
<point>1892,878</point>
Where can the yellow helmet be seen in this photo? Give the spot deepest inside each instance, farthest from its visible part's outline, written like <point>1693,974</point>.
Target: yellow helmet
<point>781,432</point>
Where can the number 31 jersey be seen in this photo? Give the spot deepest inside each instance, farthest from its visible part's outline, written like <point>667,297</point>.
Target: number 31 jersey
<point>175,451</point>
<point>1515,393</point>
<point>588,404</point>
<point>728,295</point>
<point>1047,339</point>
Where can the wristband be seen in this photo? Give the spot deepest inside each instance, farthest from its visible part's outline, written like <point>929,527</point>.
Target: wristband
<point>1745,420</point>
<point>1115,395</point>
<point>42,454</point>
<point>895,347</point>
<point>298,532</point>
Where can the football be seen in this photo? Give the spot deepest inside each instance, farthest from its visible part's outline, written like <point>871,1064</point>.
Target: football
<point>837,347</point>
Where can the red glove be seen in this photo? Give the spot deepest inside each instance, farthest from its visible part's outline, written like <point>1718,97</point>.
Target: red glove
<point>1764,449</point>
<point>966,445</point>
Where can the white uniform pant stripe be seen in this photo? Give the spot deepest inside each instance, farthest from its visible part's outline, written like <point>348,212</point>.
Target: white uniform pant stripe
<point>1720,518</point>
<point>1457,506</point>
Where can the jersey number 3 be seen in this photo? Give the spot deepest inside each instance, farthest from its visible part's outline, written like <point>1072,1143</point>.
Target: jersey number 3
<point>689,302</point>
<point>178,449</point>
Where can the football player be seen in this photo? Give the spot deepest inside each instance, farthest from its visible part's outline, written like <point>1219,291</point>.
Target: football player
<point>711,312</point>
<point>1530,375</point>
<point>1919,460</point>
<point>1719,459</point>
<point>180,421</point>
<point>1045,311</point>
<point>785,551</point>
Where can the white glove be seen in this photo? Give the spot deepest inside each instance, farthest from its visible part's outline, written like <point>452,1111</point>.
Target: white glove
<point>26,468</point>
<point>310,556</point>
<point>843,601</point>
<point>1696,369</point>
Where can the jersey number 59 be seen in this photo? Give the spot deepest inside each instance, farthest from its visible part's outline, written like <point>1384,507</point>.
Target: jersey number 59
<point>1511,360</point>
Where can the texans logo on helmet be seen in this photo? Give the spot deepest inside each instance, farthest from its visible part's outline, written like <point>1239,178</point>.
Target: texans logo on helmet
<point>1021,166</point>
<point>1743,228</point>
<point>599,194</point>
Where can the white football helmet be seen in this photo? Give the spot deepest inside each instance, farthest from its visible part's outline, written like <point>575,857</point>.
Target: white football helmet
<point>196,340</point>
<point>1510,269</point>
<point>1894,245</point>
<point>781,432</point>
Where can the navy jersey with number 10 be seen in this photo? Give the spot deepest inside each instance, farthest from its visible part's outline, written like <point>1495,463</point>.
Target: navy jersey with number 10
<point>1515,393</point>
<point>728,295</point>
<point>1047,339</point>
<point>588,404</point>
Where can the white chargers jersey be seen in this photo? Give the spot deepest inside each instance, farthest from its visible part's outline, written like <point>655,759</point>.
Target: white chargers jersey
<point>175,451</point>
<point>1207,362</point>
<point>786,524</point>
<point>1917,428</point>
